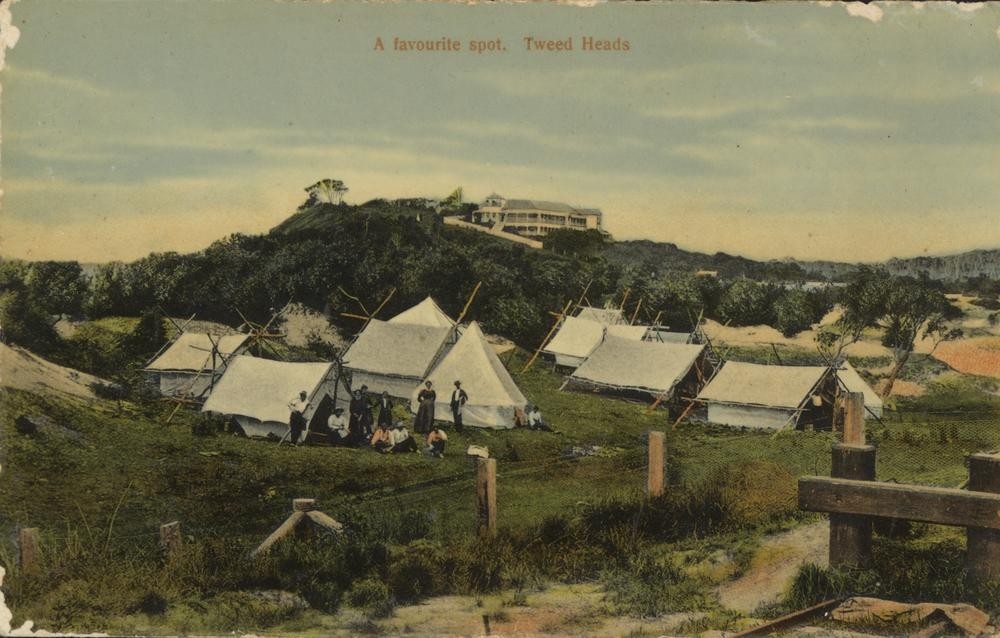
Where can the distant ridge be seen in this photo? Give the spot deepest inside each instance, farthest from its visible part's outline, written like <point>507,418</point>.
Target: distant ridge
<point>666,257</point>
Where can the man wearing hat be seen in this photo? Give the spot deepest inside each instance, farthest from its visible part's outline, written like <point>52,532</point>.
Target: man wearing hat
<point>297,420</point>
<point>458,399</point>
<point>401,439</point>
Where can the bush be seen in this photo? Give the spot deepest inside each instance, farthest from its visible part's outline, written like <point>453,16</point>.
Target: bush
<point>746,303</point>
<point>648,587</point>
<point>253,610</point>
<point>793,313</point>
<point>416,572</point>
<point>372,595</point>
<point>753,493</point>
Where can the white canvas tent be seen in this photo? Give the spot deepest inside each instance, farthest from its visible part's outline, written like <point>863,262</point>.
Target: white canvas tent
<point>425,313</point>
<point>395,357</point>
<point>493,395</point>
<point>186,367</point>
<point>604,316</point>
<point>761,396</point>
<point>666,336</point>
<point>256,393</point>
<point>577,338</point>
<point>640,366</point>
<point>851,380</point>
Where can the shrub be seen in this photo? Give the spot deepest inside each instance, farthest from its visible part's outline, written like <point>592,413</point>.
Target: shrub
<point>415,572</point>
<point>648,587</point>
<point>252,610</point>
<point>754,493</point>
<point>372,595</point>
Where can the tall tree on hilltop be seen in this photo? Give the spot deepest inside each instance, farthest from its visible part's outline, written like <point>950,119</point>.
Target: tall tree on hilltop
<point>325,191</point>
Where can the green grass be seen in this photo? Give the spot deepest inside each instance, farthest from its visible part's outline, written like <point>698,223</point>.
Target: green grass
<point>229,493</point>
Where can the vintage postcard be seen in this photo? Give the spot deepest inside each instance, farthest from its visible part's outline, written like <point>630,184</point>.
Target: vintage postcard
<point>513,319</point>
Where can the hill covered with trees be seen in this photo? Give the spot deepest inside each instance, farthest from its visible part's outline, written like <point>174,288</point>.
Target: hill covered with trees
<point>328,256</point>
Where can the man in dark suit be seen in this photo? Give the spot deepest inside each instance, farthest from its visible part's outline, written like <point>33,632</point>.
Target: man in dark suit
<point>458,400</point>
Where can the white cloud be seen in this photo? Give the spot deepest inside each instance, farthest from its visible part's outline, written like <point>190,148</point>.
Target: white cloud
<point>870,12</point>
<point>970,7</point>
<point>62,82</point>
<point>9,34</point>
<point>843,123</point>
<point>754,36</point>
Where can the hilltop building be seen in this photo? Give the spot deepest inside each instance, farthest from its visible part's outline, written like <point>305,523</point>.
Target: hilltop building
<point>534,218</point>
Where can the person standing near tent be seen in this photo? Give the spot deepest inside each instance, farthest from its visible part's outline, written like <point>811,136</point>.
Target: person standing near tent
<point>385,410</point>
<point>458,400</point>
<point>357,415</point>
<point>424,422</point>
<point>367,420</point>
<point>297,420</point>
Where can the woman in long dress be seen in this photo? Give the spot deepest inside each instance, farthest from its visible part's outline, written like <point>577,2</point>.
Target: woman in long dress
<point>425,412</point>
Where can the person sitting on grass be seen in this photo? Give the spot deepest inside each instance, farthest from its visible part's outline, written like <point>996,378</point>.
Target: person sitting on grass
<point>336,423</point>
<point>401,440</point>
<point>535,421</point>
<point>382,440</point>
<point>436,442</point>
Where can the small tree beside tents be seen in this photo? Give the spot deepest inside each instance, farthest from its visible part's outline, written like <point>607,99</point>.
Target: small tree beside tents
<point>905,309</point>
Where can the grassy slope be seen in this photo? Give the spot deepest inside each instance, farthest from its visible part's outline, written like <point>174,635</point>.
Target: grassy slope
<point>226,487</point>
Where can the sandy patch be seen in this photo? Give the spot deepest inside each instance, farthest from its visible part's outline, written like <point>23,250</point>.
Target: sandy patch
<point>559,610</point>
<point>979,355</point>
<point>902,388</point>
<point>201,326</point>
<point>775,565</point>
<point>765,335</point>
<point>22,370</point>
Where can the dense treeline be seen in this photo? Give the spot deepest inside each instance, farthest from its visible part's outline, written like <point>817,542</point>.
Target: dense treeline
<point>325,255</point>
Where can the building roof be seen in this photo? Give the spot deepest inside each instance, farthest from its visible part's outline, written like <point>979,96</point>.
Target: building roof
<point>473,362</point>
<point>425,313</point>
<point>192,351</point>
<point>762,385</point>
<point>261,388</point>
<point>854,383</point>
<point>541,205</point>
<point>396,349</point>
<point>638,365</point>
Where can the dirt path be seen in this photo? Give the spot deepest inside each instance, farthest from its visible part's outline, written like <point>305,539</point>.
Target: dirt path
<point>774,565</point>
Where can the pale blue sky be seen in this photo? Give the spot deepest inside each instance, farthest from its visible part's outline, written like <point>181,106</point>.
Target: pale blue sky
<point>768,130</point>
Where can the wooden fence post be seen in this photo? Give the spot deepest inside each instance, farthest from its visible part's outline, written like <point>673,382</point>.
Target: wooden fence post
<point>27,543</point>
<point>654,478</point>
<point>170,538</point>
<point>851,534</point>
<point>983,545</point>
<point>486,495</point>
<point>854,418</point>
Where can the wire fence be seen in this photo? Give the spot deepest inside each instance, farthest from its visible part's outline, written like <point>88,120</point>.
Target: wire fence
<point>925,448</point>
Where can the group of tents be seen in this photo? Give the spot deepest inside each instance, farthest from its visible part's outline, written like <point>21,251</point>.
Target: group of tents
<point>604,352</point>
<point>608,354</point>
<point>395,356</point>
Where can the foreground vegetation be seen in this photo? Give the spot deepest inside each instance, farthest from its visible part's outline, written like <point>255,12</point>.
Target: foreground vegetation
<point>564,518</point>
